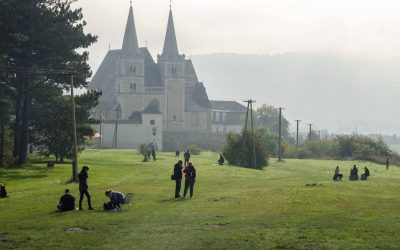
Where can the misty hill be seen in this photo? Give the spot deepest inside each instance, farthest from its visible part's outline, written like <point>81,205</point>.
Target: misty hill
<point>337,93</point>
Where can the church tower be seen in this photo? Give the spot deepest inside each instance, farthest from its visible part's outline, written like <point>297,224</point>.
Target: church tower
<point>172,70</point>
<point>130,71</point>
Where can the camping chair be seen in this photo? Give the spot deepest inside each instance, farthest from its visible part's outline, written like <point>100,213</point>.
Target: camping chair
<point>128,199</point>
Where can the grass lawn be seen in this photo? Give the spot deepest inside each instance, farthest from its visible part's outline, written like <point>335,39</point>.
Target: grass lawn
<point>289,205</point>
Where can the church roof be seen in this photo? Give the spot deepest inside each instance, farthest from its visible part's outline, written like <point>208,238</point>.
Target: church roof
<point>190,72</point>
<point>230,106</point>
<point>170,44</point>
<point>196,98</point>
<point>130,43</point>
<point>152,108</point>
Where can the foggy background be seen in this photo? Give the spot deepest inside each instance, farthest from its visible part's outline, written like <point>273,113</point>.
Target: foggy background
<point>332,63</point>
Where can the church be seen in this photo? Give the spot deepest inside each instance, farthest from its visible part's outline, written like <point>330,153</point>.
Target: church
<point>138,93</point>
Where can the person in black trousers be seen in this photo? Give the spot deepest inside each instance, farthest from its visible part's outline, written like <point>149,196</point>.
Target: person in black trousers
<point>83,187</point>
<point>178,178</point>
<point>190,179</point>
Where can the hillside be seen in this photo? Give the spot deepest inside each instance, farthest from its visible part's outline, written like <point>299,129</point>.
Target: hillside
<point>289,205</point>
<point>341,94</point>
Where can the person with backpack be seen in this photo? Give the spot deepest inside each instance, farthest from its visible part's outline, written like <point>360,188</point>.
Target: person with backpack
<point>177,176</point>
<point>186,156</point>
<point>83,187</point>
<point>190,178</point>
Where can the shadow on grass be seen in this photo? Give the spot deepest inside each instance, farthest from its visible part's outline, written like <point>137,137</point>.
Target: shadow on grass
<point>172,200</point>
<point>15,175</point>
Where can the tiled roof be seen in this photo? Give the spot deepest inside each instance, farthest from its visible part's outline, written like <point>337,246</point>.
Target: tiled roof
<point>230,106</point>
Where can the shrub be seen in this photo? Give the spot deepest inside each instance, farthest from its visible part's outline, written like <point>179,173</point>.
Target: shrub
<point>194,149</point>
<point>145,150</point>
<point>238,150</point>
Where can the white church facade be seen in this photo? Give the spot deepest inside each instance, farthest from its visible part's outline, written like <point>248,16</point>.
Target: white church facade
<point>142,98</point>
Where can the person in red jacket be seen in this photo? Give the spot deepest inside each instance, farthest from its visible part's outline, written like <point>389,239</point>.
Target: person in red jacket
<point>190,178</point>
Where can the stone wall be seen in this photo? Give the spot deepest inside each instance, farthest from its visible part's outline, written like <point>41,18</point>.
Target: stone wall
<point>206,140</point>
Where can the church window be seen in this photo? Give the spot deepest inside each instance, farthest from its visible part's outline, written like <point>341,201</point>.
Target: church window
<point>152,122</point>
<point>132,70</point>
<point>174,72</point>
<point>133,87</point>
<point>195,119</point>
<point>154,130</point>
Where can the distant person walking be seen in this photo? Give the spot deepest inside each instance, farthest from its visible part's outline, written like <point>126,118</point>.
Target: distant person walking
<point>177,153</point>
<point>153,153</point>
<point>178,178</point>
<point>186,156</point>
<point>387,163</point>
<point>190,179</point>
<point>83,187</point>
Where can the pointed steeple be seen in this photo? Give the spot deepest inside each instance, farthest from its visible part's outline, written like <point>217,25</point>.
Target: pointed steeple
<point>130,43</point>
<point>170,44</point>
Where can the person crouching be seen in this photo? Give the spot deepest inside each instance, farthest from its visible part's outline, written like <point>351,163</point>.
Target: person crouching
<point>116,199</point>
<point>67,202</point>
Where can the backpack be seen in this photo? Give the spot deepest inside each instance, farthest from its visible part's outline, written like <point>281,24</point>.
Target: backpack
<point>192,173</point>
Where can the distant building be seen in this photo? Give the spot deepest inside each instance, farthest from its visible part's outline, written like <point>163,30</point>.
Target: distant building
<point>226,116</point>
<point>153,97</point>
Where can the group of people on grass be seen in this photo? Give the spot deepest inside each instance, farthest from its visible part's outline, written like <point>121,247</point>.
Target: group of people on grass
<point>353,174</point>
<point>67,201</point>
<point>190,177</point>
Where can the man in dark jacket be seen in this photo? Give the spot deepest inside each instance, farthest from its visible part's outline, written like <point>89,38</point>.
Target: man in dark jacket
<point>178,178</point>
<point>67,202</point>
<point>3,191</point>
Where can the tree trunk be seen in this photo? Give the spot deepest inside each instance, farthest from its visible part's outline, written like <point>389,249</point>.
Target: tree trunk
<point>24,136</point>
<point>17,124</point>
<point>2,144</point>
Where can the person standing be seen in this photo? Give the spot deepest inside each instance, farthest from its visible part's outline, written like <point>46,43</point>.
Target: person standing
<point>67,202</point>
<point>387,163</point>
<point>190,178</point>
<point>83,187</point>
<point>186,156</point>
<point>178,178</point>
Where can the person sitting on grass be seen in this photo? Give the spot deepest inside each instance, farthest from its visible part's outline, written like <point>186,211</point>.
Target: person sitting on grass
<point>221,160</point>
<point>3,191</point>
<point>116,199</point>
<point>67,202</point>
<point>365,175</point>
<point>338,176</point>
<point>354,173</point>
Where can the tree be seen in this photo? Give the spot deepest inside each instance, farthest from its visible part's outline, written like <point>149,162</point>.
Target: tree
<point>267,117</point>
<point>36,35</point>
<point>53,134</point>
<point>238,150</point>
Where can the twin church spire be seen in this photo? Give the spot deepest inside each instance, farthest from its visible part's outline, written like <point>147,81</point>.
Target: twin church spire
<point>130,42</point>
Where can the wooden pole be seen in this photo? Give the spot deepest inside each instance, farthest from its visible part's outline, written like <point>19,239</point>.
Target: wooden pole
<point>75,161</point>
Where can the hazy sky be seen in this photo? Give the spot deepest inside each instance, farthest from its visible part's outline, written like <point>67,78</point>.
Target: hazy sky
<point>355,27</point>
<point>367,29</point>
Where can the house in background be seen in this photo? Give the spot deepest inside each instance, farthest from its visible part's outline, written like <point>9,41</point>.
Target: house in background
<point>227,116</point>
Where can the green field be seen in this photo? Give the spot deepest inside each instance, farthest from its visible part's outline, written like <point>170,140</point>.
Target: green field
<point>289,205</point>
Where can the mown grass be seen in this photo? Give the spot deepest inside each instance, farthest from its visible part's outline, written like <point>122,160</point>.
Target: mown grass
<point>288,205</point>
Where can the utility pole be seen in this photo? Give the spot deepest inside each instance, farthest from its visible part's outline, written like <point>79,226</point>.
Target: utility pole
<point>297,132</point>
<point>250,109</point>
<point>75,161</point>
<point>309,135</point>
<point>280,135</point>
<point>115,140</point>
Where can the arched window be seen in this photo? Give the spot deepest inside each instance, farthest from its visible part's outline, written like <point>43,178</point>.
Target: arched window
<point>132,70</point>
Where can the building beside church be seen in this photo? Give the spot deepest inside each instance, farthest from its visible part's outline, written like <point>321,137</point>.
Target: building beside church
<point>144,101</point>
